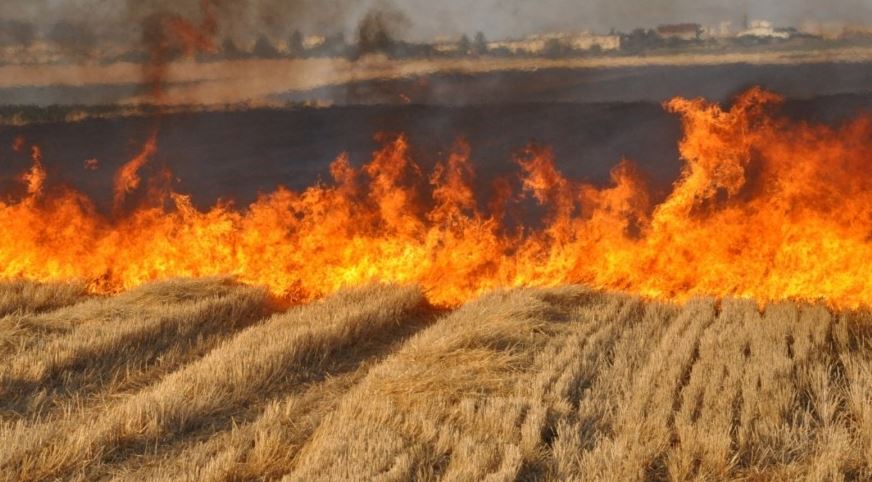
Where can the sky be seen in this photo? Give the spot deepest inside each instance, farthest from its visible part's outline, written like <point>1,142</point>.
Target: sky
<point>427,19</point>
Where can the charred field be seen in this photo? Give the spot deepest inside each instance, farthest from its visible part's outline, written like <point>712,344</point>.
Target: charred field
<point>699,312</point>
<point>591,118</point>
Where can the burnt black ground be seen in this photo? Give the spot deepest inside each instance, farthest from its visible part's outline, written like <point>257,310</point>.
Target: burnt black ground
<point>718,82</point>
<point>236,155</point>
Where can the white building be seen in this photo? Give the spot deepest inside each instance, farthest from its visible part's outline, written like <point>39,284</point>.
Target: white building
<point>313,41</point>
<point>525,46</point>
<point>536,44</point>
<point>587,41</point>
<point>764,29</point>
<point>719,31</point>
<point>36,53</point>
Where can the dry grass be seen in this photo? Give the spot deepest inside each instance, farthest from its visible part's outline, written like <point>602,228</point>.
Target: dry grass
<point>21,297</point>
<point>208,380</point>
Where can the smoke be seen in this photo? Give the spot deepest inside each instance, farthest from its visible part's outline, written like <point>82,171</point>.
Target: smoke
<point>16,33</point>
<point>76,39</point>
<point>166,35</point>
<point>119,23</point>
<point>245,20</point>
<point>380,27</point>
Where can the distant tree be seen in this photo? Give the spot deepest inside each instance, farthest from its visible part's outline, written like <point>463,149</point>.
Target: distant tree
<point>264,48</point>
<point>479,47</point>
<point>295,44</point>
<point>16,33</point>
<point>336,45</point>
<point>500,52</point>
<point>554,48</point>
<point>464,46</point>
<point>230,49</point>
<point>641,39</point>
<point>333,46</point>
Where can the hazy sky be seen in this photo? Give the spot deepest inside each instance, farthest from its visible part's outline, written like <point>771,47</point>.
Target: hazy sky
<point>429,18</point>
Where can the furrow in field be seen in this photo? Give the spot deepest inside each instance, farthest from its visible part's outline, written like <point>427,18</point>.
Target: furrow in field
<point>253,368</point>
<point>24,301</point>
<point>466,399</point>
<point>128,348</point>
<point>167,383</point>
<point>634,445</point>
<point>21,297</point>
<point>609,368</point>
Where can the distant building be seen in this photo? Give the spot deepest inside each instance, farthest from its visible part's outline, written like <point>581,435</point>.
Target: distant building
<point>719,31</point>
<point>36,53</point>
<point>763,29</point>
<point>856,33</point>
<point>447,45</point>
<point>587,41</point>
<point>825,30</point>
<point>313,41</point>
<point>681,31</point>
<point>537,44</point>
<point>522,46</point>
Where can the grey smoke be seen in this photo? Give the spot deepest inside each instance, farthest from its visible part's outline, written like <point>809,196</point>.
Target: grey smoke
<point>16,32</point>
<point>77,39</point>
<point>246,20</point>
<point>381,26</point>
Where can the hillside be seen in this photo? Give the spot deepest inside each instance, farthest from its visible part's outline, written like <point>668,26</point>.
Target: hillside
<point>209,380</point>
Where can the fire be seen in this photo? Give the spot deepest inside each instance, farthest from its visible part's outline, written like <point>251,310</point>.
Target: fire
<point>767,208</point>
<point>18,144</point>
<point>127,178</point>
<point>35,177</point>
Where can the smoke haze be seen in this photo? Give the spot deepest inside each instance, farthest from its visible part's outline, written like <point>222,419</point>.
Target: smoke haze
<point>245,20</point>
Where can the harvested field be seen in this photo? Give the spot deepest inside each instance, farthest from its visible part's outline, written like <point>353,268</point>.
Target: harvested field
<point>210,380</point>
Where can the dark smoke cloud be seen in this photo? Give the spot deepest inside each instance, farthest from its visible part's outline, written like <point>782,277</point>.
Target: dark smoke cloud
<point>381,27</point>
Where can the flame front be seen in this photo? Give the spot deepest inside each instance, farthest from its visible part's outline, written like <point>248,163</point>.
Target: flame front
<point>767,208</point>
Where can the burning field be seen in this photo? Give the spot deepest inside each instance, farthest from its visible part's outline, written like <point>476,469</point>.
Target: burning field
<point>722,331</point>
<point>767,208</point>
<point>419,316</point>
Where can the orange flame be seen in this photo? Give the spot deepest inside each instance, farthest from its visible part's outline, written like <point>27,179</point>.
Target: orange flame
<point>127,178</point>
<point>766,207</point>
<point>18,143</point>
<point>35,177</point>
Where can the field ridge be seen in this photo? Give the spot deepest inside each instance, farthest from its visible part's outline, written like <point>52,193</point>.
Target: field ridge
<point>215,381</point>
